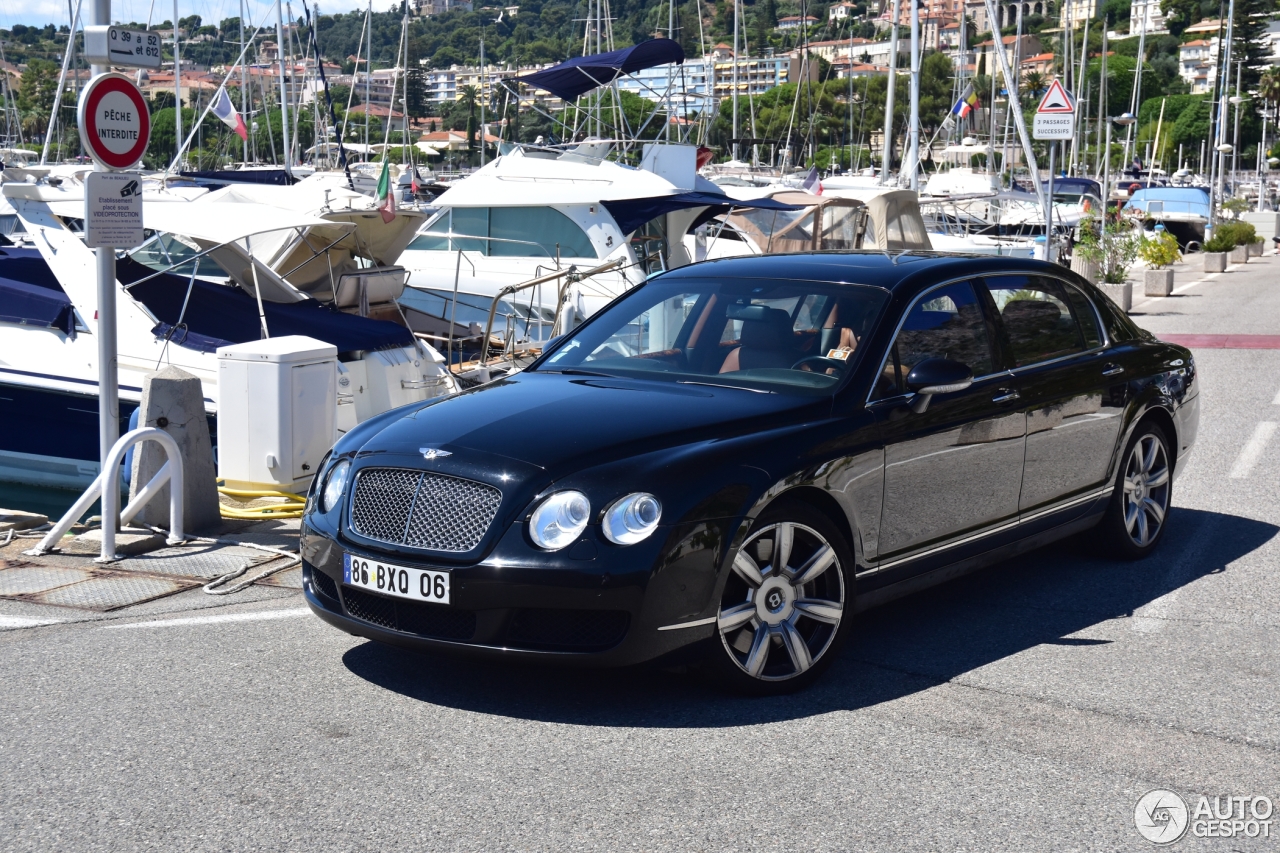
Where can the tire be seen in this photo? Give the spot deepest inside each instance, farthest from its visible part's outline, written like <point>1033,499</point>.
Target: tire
<point>1138,514</point>
<point>780,628</point>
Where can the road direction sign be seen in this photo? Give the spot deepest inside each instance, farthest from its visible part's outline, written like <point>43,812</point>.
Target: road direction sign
<point>1056,115</point>
<point>106,45</point>
<point>112,210</point>
<point>115,125</point>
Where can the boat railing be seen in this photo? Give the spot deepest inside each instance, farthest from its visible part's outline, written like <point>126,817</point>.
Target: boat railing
<point>565,277</point>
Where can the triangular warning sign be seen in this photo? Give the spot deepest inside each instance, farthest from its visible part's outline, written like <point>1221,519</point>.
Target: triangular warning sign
<point>1056,100</point>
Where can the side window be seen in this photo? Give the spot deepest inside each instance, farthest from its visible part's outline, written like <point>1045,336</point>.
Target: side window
<point>1037,318</point>
<point>516,232</point>
<point>1086,316</point>
<point>945,323</point>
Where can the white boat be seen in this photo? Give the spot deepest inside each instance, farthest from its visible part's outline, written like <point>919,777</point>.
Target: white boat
<point>191,288</point>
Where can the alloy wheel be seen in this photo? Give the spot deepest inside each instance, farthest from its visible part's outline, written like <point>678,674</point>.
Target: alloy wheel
<point>783,603</point>
<point>1146,490</point>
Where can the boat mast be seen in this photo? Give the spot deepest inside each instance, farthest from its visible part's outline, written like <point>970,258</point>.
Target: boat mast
<point>914,158</point>
<point>284,95</point>
<point>244,82</point>
<point>177,81</point>
<point>886,157</point>
<point>737,5</point>
<point>368,73</point>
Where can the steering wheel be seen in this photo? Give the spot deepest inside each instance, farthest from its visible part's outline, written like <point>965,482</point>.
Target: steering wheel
<point>827,363</point>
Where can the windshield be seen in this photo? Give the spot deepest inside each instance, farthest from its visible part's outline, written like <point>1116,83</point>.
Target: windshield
<point>759,334</point>
<point>163,251</point>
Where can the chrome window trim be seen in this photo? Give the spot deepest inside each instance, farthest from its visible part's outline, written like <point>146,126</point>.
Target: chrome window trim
<point>884,359</point>
<point>991,531</point>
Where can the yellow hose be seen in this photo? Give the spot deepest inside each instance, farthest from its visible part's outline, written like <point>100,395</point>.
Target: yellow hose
<point>292,508</point>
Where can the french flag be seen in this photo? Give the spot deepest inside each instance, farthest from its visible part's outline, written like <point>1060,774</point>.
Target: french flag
<point>225,110</point>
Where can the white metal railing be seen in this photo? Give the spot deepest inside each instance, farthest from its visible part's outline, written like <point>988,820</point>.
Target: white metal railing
<point>107,486</point>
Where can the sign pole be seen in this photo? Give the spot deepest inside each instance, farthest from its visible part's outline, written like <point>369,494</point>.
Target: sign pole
<point>108,378</point>
<point>1049,254</point>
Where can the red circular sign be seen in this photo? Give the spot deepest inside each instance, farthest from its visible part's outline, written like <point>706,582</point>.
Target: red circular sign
<point>115,126</point>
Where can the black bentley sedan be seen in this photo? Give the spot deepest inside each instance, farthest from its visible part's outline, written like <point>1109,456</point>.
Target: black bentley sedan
<point>733,459</point>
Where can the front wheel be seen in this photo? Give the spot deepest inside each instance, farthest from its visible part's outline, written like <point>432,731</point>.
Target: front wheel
<point>1139,510</point>
<point>786,605</point>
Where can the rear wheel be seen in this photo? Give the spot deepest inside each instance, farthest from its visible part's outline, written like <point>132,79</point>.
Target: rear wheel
<point>786,605</point>
<point>1139,510</point>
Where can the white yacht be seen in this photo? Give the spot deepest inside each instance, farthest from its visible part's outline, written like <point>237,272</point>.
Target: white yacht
<point>194,286</point>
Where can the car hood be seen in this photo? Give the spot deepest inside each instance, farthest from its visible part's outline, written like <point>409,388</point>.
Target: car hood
<point>561,423</point>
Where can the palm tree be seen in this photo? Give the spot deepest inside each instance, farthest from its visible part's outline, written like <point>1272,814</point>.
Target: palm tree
<point>1033,83</point>
<point>469,96</point>
<point>1269,92</point>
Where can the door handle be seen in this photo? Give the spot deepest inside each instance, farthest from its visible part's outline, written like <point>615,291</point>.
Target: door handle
<point>1113,370</point>
<point>1006,396</point>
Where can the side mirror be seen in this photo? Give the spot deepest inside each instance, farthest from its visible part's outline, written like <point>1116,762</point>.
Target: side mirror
<point>936,376</point>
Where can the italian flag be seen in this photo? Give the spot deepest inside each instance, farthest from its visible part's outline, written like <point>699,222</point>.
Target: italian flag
<point>386,198</point>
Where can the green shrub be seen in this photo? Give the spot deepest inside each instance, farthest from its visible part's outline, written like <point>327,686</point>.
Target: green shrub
<point>1219,243</point>
<point>1160,251</point>
<point>1237,233</point>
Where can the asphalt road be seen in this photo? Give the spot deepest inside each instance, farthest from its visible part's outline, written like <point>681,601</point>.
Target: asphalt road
<point>1023,708</point>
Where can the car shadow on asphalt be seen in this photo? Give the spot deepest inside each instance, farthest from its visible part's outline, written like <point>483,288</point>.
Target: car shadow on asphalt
<point>910,645</point>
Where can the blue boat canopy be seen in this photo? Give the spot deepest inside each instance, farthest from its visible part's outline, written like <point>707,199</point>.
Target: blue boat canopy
<point>30,294</point>
<point>581,74</point>
<point>1193,201</point>
<point>219,315</point>
<point>1075,185</point>
<point>631,213</point>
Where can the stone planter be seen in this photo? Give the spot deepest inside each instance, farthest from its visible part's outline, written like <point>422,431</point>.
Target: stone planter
<point>1120,294</point>
<point>1157,283</point>
<point>1215,261</point>
<point>1255,250</point>
<point>1240,255</point>
<point>1085,268</point>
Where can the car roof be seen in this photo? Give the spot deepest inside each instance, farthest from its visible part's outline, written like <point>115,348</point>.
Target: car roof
<point>896,272</point>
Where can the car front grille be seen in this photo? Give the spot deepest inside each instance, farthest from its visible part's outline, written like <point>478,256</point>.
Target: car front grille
<point>436,621</point>
<point>401,506</point>
<point>545,629</point>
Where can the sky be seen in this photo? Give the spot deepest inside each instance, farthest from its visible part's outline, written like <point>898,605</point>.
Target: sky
<point>58,12</point>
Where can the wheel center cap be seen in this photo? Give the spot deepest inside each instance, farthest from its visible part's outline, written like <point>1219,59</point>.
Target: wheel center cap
<point>775,600</point>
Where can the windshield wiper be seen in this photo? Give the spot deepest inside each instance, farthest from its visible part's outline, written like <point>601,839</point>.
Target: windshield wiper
<point>573,371</point>
<point>718,385</point>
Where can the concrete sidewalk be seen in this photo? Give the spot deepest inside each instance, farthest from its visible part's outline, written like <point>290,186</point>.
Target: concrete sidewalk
<point>1244,300</point>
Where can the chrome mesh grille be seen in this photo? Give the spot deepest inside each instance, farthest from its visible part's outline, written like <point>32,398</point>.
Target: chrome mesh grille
<point>422,510</point>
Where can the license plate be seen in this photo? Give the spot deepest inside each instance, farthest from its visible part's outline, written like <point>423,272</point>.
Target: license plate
<point>402,582</point>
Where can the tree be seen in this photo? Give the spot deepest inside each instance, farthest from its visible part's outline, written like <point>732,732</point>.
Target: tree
<point>39,83</point>
<point>1033,84</point>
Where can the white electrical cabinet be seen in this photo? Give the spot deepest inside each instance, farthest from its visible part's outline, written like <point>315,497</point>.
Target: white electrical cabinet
<point>277,401</point>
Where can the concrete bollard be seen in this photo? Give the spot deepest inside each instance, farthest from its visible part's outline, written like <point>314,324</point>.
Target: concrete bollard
<point>173,400</point>
<point>1157,283</point>
<point>1240,255</point>
<point>1215,261</point>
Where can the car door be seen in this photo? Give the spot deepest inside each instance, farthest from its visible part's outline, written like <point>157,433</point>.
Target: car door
<point>1065,378</point>
<point>955,468</point>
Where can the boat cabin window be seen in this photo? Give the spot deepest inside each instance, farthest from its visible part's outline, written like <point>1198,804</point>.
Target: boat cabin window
<point>512,232</point>
<point>764,335</point>
<point>163,251</point>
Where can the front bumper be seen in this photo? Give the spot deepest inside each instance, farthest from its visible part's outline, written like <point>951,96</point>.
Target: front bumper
<point>606,606</point>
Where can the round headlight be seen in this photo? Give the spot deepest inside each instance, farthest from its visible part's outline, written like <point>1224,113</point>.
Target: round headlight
<point>632,518</point>
<point>559,520</point>
<point>334,484</point>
